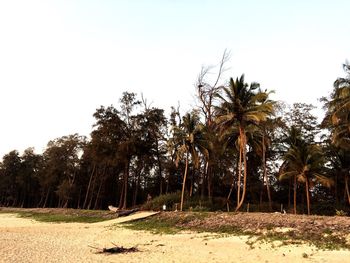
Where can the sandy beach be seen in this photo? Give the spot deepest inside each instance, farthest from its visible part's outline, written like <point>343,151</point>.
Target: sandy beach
<point>25,240</point>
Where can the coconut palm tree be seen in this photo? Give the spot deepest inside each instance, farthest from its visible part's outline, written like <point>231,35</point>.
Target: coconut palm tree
<point>242,105</point>
<point>304,162</point>
<point>192,141</point>
<point>339,111</point>
<point>337,119</point>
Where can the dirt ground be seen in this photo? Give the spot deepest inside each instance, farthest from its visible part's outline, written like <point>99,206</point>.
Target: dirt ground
<point>25,240</point>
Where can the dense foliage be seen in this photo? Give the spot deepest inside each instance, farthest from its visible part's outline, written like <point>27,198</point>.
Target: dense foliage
<point>236,149</point>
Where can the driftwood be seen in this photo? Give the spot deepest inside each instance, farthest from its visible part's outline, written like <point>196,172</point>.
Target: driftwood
<point>115,250</point>
<point>122,212</point>
<point>113,208</point>
<point>127,212</point>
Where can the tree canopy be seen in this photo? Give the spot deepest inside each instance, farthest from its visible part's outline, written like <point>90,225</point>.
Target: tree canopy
<point>236,147</point>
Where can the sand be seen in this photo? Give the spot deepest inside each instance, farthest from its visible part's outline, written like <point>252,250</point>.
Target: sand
<point>25,240</point>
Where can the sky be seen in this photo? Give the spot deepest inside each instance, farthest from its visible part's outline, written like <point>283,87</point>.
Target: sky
<point>61,60</point>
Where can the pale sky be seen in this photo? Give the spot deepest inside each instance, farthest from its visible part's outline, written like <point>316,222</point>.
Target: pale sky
<point>60,60</point>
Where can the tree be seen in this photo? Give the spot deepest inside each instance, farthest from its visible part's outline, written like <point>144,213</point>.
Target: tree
<point>304,162</point>
<point>300,116</point>
<point>207,90</point>
<point>242,105</point>
<point>190,138</point>
<point>103,154</point>
<point>337,121</point>
<point>61,161</point>
<point>10,173</point>
<point>31,165</point>
<point>339,111</point>
<point>126,147</point>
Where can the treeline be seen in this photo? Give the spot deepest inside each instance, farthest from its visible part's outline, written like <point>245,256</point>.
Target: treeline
<point>236,147</point>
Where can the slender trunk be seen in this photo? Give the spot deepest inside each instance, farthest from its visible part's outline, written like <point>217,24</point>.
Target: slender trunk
<point>137,185</point>
<point>98,194</point>
<point>159,170</point>
<point>121,195</point>
<point>126,185</point>
<point>167,183</point>
<point>184,183</point>
<point>46,198</point>
<point>41,199</point>
<point>193,172</point>
<point>307,195</point>
<point>239,175</point>
<point>336,190</point>
<point>289,192</point>
<point>265,173</point>
<point>243,145</point>
<point>261,197</point>
<point>295,195</point>
<point>79,199</point>
<point>89,185</point>
<point>92,190</point>
<point>204,178</point>
<point>347,188</point>
<point>233,183</point>
<point>210,183</point>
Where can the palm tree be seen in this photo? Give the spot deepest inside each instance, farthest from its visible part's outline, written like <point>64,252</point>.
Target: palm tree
<point>337,119</point>
<point>339,111</point>
<point>304,162</point>
<point>340,163</point>
<point>242,105</point>
<point>191,140</point>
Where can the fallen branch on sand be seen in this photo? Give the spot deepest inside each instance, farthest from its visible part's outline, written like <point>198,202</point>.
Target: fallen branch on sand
<point>122,212</point>
<point>115,250</point>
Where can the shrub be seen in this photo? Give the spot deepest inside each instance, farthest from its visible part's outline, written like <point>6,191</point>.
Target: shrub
<point>168,199</point>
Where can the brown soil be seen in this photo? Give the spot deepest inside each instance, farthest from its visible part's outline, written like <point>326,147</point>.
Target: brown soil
<point>265,221</point>
<point>326,231</point>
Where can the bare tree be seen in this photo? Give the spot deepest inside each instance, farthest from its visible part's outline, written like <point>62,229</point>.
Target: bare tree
<point>207,87</point>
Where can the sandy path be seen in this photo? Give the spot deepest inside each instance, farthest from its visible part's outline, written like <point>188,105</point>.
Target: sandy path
<point>24,240</point>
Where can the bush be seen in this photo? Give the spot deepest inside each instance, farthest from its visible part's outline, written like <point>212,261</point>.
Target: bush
<point>193,204</point>
<point>168,199</point>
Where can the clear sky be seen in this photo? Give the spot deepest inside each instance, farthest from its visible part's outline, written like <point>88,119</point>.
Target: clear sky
<point>60,60</point>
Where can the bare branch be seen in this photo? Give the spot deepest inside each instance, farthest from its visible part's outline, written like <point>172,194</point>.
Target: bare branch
<point>206,91</point>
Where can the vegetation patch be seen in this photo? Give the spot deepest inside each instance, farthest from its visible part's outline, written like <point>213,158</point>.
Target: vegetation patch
<point>259,227</point>
<point>61,215</point>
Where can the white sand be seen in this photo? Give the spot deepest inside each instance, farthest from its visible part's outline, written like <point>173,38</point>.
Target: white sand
<point>24,240</point>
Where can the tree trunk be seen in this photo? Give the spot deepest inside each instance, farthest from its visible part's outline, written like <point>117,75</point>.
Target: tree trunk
<point>184,183</point>
<point>295,195</point>
<point>41,199</point>
<point>159,170</point>
<point>92,190</point>
<point>121,195</point>
<point>289,192</point>
<point>46,198</point>
<point>204,179</point>
<point>126,184</point>
<point>79,199</point>
<point>243,145</point>
<point>307,195</point>
<point>233,183</point>
<point>265,173</point>
<point>347,188</point>
<point>193,172</point>
<point>239,175</point>
<point>98,194</point>
<point>210,184</point>
<point>89,185</point>
<point>137,185</point>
